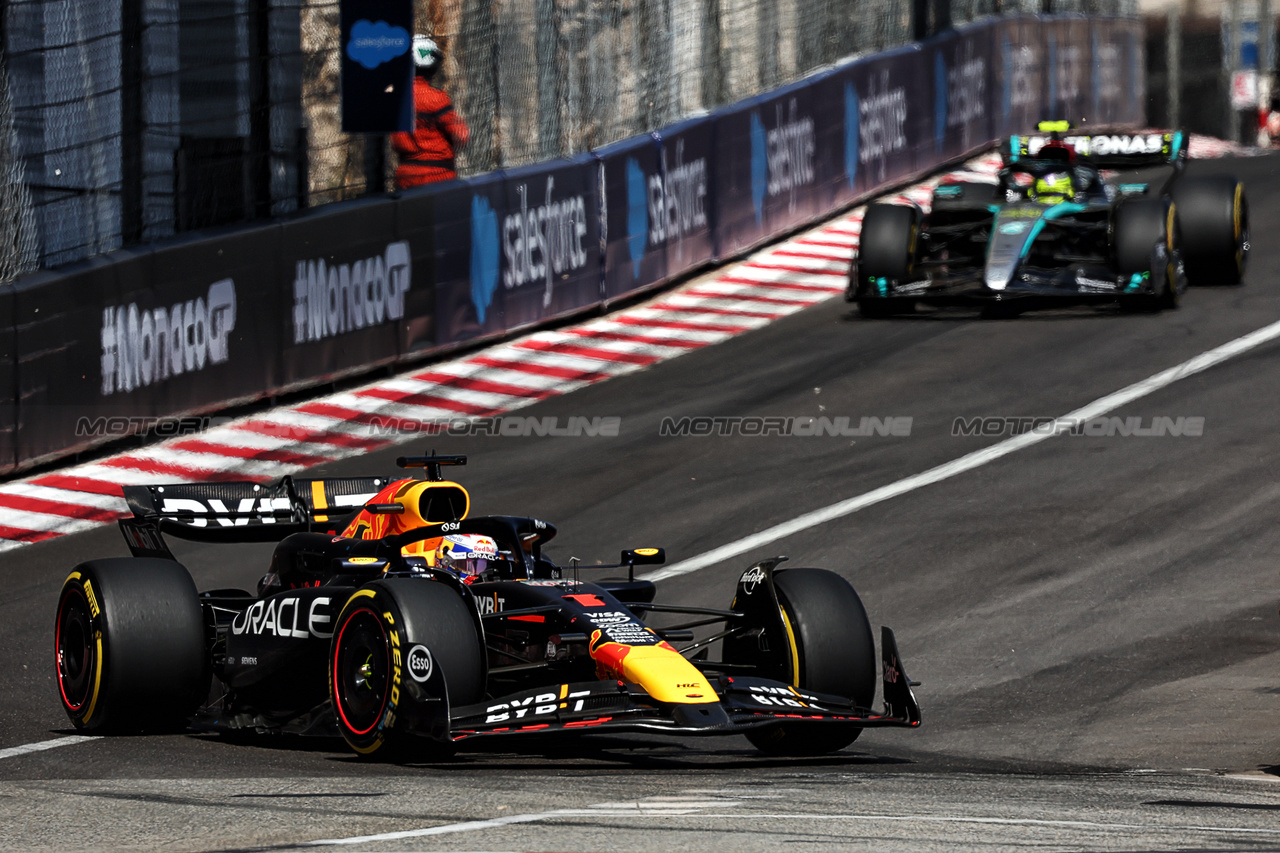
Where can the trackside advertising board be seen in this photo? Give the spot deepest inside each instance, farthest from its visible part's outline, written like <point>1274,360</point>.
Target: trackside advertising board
<point>202,322</point>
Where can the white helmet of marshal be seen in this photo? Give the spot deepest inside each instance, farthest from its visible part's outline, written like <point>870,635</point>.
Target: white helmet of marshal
<point>426,54</point>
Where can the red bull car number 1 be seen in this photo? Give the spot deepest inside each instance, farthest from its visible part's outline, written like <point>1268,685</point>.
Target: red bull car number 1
<point>391,617</point>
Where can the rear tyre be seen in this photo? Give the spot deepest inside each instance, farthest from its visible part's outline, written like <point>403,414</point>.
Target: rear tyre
<point>886,249</point>
<point>1214,217</point>
<point>365,680</point>
<point>1145,240</point>
<point>833,652</point>
<point>129,641</point>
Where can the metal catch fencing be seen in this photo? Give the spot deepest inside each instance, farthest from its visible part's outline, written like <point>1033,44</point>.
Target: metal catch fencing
<point>128,121</point>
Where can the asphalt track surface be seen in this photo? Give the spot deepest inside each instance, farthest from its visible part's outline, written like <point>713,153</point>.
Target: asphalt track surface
<point>1093,619</point>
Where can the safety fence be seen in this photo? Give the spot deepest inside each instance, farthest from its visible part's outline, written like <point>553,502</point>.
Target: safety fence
<point>123,122</point>
<point>197,324</point>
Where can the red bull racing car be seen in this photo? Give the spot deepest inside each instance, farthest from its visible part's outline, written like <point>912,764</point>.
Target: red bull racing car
<point>1054,229</point>
<point>392,618</point>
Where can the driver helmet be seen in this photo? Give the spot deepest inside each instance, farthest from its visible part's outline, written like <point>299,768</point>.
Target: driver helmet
<point>427,55</point>
<point>1054,185</point>
<point>467,555</point>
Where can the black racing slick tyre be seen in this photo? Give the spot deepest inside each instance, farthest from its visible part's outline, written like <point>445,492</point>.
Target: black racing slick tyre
<point>369,656</point>
<point>1214,217</point>
<point>833,651</point>
<point>886,250</point>
<point>1143,230</point>
<point>130,646</point>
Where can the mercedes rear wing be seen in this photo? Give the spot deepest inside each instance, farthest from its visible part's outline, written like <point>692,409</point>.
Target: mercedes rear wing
<point>1130,150</point>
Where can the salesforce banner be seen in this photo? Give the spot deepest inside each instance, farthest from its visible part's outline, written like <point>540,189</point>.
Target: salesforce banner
<point>764,168</point>
<point>875,126</point>
<point>682,204</point>
<point>959,69</point>
<point>634,215</point>
<point>468,258</point>
<point>1022,74</point>
<point>548,240</point>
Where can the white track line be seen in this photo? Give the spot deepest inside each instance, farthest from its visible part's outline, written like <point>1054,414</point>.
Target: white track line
<point>978,458</point>
<point>41,746</point>
<point>472,826</point>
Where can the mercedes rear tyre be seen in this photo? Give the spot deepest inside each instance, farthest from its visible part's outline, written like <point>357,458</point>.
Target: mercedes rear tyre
<point>367,662</point>
<point>130,646</point>
<point>832,651</point>
<point>1214,217</point>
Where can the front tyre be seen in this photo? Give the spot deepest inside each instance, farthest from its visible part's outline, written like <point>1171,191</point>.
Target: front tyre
<point>833,651</point>
<point>129,645</point>
<point>887,249</point>
<point>368,681</point>
<point>1145,242</point>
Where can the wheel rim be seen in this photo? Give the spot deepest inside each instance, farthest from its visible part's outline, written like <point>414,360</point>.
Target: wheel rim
<point>361,671</point>
<point>76,651</point>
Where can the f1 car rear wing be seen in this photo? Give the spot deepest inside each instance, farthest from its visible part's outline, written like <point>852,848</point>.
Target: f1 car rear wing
<point>1109,150</point>
<point>241,511</point>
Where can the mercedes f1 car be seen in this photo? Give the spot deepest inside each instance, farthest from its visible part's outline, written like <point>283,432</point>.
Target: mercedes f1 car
<point>390,617</point>
<point>1052,229</point>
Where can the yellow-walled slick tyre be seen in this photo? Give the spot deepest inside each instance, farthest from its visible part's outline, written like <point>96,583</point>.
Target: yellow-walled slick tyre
<point>833,651</point>
<point>129,642</point>
<point>387,633</point>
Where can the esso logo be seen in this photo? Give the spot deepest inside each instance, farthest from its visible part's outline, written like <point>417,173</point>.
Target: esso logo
<point>419,663</point>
